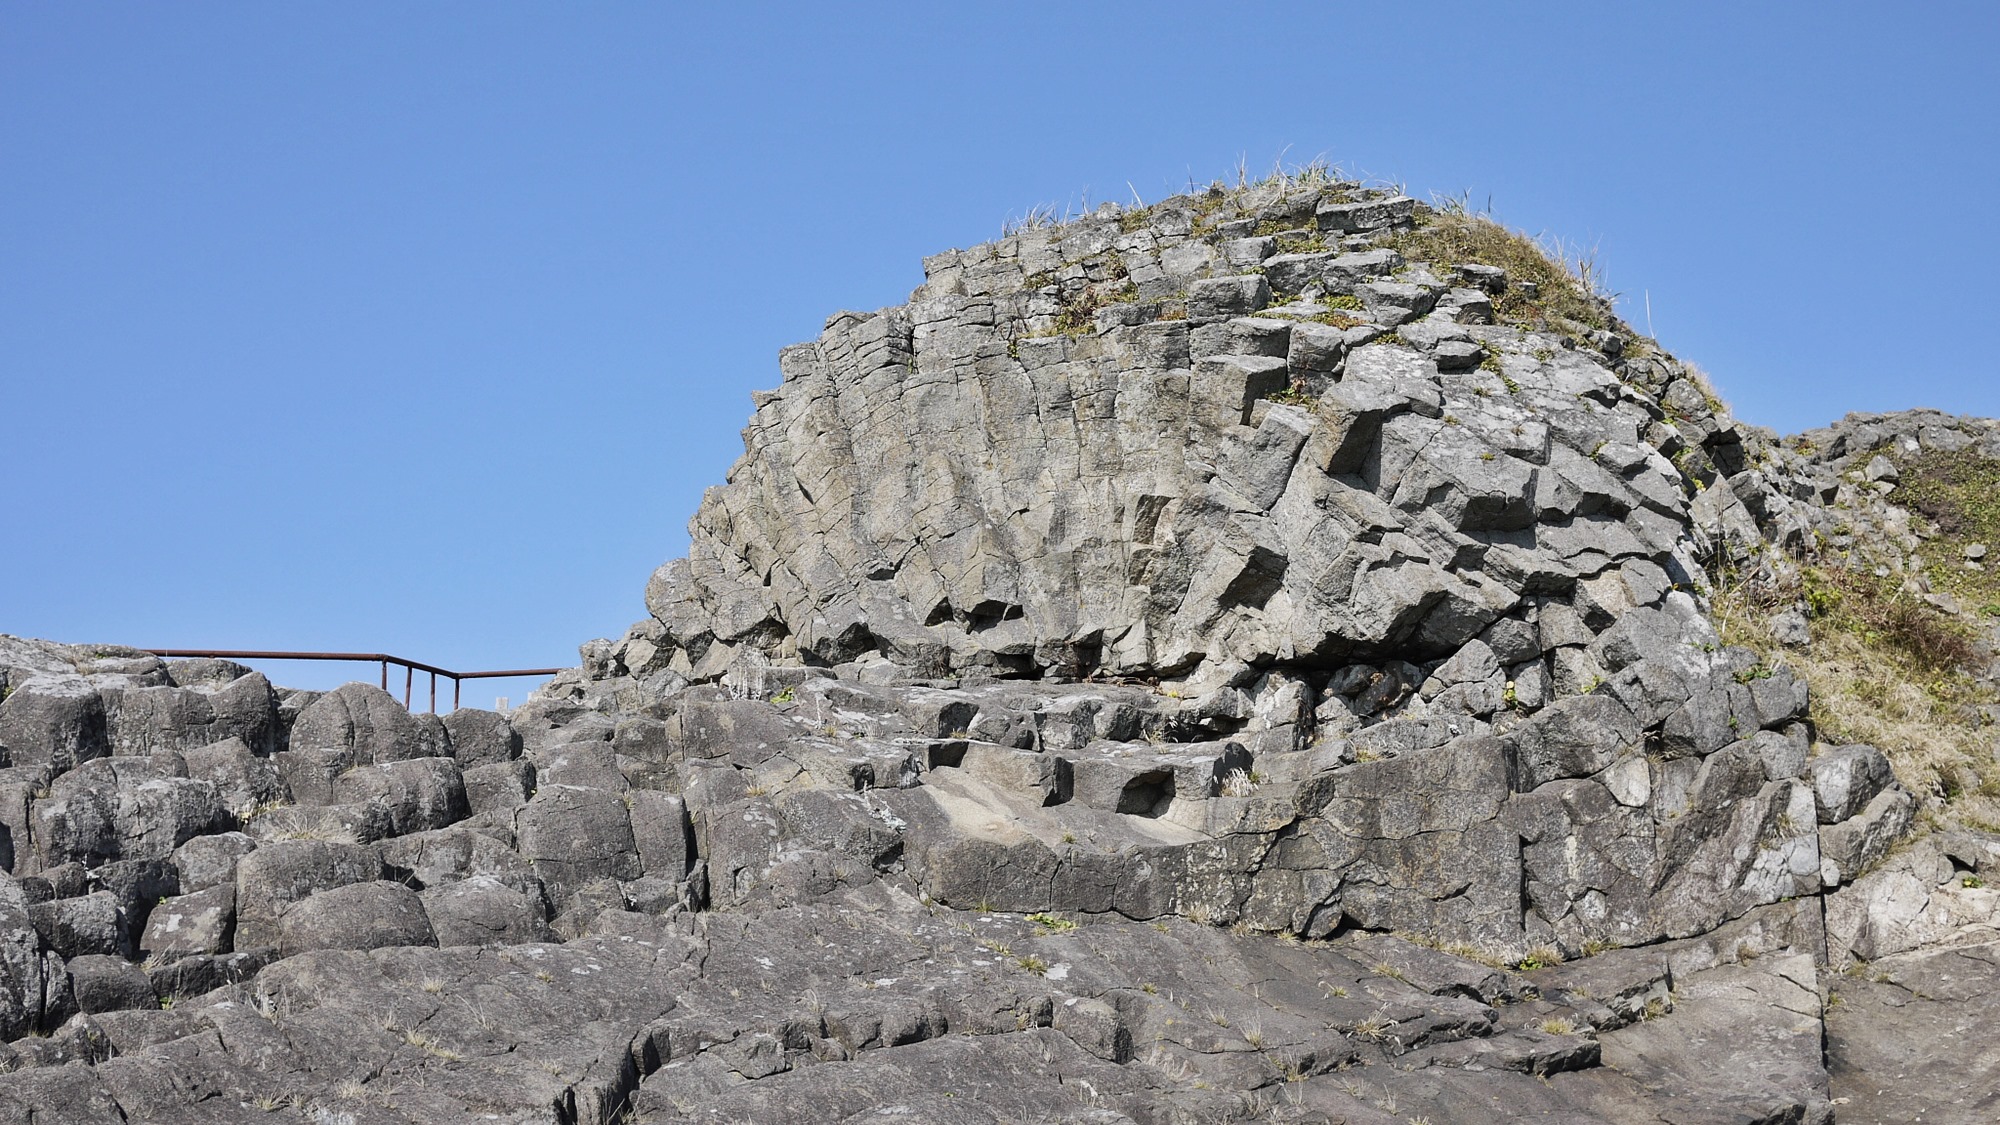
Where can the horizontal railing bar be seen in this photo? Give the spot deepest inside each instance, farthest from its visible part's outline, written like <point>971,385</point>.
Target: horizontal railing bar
<point>357,657</point>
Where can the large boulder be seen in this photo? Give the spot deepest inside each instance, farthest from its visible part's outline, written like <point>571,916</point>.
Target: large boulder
<point>191,924</point>
<point>419,793</point>
<point>367,725</point>
<point>484,910</point>
<point>481,737</point>
<point>125,808</point>
<point>572,834</point>
<point>357,916</point>
<point>53,721</point>
<point>153,718</point>
<point>24,967</point>
<point>278,874</point>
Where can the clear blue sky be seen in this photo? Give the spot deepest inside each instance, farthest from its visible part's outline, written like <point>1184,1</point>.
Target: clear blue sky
<point>421,327</point>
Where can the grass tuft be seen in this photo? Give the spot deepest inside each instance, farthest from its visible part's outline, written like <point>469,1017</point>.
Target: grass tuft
<point>1547,283</point>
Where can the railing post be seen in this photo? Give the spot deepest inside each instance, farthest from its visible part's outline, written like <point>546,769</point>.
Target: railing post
<point>434,693</point>
<point>409,678</point>
<point>385,675</point>
<point>456,683</point>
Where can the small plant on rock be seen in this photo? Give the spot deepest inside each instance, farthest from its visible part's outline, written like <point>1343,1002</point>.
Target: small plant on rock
<point>1046,924</point>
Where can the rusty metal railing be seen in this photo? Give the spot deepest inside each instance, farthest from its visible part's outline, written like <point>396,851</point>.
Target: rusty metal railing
<point>410,667</point>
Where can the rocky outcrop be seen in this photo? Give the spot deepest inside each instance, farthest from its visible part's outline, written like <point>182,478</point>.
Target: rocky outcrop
<point>1245,659</point>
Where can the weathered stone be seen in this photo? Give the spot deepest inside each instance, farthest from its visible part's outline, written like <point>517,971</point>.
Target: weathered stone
<point>482,910</point>
<point>571,834</point>
<point>356,916</point>
<point>280,873</point>
<point>419,793</point>
<point>1846,779</point>
<point>200,922</point>
<point>207,861</point>
<point>1227,296</point>
<point>101,983</point>
<point>53,722</point>
<point>481,737</point>
<point>364,722</point>
<point>1860,841</point>
<point>74,927</point>
<point>243,779</point>
<point>498,786</point>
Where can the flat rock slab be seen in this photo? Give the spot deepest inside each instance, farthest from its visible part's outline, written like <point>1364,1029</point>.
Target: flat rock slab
<point>1913,1038</point>
<point>839,1011</point>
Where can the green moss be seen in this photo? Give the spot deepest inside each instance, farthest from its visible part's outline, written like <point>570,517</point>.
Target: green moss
<point>1051,924</point>
<point>1294,395</point>
<point>1959,496</point>
<point>1336,319</point>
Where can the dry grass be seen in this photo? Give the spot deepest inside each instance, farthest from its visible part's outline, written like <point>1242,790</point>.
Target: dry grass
<point>1886,669</point>
<point>1568,283</point>
<point>1701,379</point>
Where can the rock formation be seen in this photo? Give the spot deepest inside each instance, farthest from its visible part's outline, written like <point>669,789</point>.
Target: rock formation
<point>1261,656</point>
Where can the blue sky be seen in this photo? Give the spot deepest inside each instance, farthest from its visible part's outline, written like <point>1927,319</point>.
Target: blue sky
<point>421,328</point>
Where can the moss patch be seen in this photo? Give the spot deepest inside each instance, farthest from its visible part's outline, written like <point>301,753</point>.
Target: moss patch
<point>1958,495</point>
<point>1452,238</point>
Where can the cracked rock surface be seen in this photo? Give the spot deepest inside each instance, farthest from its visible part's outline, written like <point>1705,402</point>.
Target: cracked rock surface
<point>1187,665</point>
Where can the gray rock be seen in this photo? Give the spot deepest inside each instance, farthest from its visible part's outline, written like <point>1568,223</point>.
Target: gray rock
<point>1846,779</point>
<point>109,984</point>
<point>357,916</point>
<point>481,737</point>
<point>57,722</point>
<point>498,786</point>
<point>244,779</point>
<point>1220,297</point>
<point>1878,1030</point>
<point>127,808</point>
<point>435,859</point>
<point>572,834</point>
<point>419,793</point>
<point>359,823</point>
<point>1783,756</point>
<point>660,833</point>
<point>482,910</point>
<point>208,861</point>
<point>1366,216</point>
<point>24,968</point>
<point>366,723</point>
<point>198,923</point>
<point>280,873</point>
<point>1859,842</point>
<point>146,718</point>
<point>75,927</point>
<point>1791,629</point>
